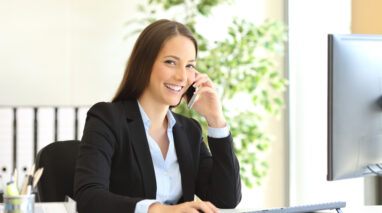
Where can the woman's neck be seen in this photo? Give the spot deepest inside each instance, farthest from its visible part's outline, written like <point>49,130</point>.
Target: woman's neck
<point>156,112</point>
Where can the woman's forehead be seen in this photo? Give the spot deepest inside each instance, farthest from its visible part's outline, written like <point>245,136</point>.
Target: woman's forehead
<point>179,46</point>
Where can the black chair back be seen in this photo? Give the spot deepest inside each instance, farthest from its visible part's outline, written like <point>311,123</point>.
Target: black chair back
<point>59,161</point>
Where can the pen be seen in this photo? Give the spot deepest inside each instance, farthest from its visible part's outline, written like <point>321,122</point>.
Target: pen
<point>37,176</point>
<point>29,186</point>
<point>15,177</point>
<point>25,184</point>
<point>28,179</point>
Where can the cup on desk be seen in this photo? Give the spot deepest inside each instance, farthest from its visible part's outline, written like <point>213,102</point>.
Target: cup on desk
<point>19,204</point>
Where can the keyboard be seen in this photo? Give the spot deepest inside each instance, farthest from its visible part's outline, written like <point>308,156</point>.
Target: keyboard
<point>305,208</point>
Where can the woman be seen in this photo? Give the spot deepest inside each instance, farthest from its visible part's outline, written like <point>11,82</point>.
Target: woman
<point>138,156</point>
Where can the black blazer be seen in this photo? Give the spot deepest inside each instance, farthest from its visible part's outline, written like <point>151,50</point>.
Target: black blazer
<point>114,168</point>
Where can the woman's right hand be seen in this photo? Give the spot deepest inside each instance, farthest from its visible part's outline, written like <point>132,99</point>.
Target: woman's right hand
<point>187,207</point>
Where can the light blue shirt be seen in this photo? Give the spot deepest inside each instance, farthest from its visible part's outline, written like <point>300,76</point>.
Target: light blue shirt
<point>167,173</point>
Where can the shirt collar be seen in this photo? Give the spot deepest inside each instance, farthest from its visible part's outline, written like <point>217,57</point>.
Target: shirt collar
<point>147,122</point>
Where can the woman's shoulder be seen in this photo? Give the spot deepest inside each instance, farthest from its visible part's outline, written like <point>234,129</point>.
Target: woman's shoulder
<point>109,108</point>
<point>110,111</point>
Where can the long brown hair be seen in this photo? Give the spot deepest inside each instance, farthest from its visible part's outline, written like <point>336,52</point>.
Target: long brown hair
<point>149,43</point>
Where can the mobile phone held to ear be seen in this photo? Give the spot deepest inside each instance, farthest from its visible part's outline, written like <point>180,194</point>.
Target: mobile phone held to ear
<point>191,97</point>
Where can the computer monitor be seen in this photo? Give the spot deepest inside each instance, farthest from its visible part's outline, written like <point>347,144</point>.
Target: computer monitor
<point>354,105</point>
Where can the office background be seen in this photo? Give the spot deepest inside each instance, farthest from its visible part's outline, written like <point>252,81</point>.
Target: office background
<point>309,24</point>
<point>73,53</point>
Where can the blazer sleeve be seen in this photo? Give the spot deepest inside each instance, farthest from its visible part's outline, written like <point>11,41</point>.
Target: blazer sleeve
<point>91,182</point>
<point>218,179</point>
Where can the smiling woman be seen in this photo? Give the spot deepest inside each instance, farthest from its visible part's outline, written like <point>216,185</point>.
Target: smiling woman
<point>137,155</point>
<point>172,73</point>
<point>145,53</point>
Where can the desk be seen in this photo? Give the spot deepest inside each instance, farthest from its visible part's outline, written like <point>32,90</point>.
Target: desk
<point>60,208</point>
<point>352,209</point>
<point>360,209</point>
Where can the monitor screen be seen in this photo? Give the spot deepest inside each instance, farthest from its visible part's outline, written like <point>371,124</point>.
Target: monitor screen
<point>354,109</point>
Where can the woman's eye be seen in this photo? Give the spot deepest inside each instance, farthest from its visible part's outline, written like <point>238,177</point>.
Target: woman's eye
<point>191,66</point>
<point>170,62</point>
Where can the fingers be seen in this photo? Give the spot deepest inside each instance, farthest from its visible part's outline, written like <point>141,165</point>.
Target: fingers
<point>205,82</point>
<point>192,207</point>
<point>211,206</point>
<point>203,79</point>
<point>205,207</point>
<point>204,90</point>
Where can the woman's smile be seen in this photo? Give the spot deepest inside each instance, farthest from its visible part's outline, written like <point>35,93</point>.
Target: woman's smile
<point>174,88</point>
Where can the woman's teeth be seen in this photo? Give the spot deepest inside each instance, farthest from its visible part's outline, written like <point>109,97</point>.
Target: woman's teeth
<point>172,87</point>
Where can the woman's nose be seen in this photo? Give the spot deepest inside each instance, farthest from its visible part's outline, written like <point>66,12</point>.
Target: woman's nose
<point>181,74</point>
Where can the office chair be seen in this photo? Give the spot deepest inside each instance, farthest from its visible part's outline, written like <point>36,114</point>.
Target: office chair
<point>59,161</point>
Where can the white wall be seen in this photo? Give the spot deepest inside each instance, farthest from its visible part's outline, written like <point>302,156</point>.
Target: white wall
<point>62,52</point>
<point>309,23</point>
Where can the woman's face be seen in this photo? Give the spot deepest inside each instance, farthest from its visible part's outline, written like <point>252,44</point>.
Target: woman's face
<point>173,71</point>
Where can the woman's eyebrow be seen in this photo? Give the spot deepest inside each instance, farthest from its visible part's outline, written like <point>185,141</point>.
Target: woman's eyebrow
<point>177,58</point>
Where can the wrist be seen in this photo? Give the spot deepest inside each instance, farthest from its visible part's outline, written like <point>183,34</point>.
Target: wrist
<point>158,208</point>
<point>154,208</point>
<point>217,122</point>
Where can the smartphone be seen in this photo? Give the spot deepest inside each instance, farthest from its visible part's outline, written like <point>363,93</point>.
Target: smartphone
<point>191,97</point>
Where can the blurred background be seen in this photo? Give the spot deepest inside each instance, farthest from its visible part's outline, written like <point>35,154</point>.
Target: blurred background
<point>67,53</point>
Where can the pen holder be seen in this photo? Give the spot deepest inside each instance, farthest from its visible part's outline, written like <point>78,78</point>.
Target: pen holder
<point>19,204</point>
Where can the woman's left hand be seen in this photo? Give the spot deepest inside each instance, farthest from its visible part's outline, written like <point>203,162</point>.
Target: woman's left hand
<point>208,104</point>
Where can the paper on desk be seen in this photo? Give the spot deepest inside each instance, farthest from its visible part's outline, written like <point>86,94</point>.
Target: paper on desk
<point>50,208</point>
<point>229,211</point>
<point>70,205</point>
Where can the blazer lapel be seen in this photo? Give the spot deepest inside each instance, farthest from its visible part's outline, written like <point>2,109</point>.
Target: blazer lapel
<point>138,139</point>
<point>183,152</point>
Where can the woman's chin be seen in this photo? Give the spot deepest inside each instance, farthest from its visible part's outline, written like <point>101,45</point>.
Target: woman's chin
<point>174,102</point>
